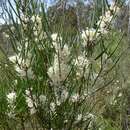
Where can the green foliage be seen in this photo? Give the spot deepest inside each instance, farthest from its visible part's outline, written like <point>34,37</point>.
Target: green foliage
<point>83,92</point>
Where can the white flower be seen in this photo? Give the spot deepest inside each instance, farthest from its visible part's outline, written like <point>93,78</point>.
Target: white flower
<point>22,72</point>
<point>37,27</point>
<point>120,94</point>
<point>82,61</point>
<point>11,114</point>
<point>32,111</point>
<point>12,28</point>
<point>31,102</point>
<point>57,40</point>
<point>81,64</point>
<point>27,92</point>
<point>106,19</point>
<point>58,102</point>
<point>54,36</point>
<point>107,16</point>
<point>88,116</point>
<point>101,24</point>
<point>86,94</point>
<point>103,30</point>
<point>35,33</point>
<point>25,19</point>
<point>52,106</point>
<point>108,91</point>
<point>65,121</point>
<point>89,34</point>
<point>62,55</point>
<point>15,82</point>
<point>58,74</point>
<point>22,65</point>
<point>33,18</point>
<point>75,97</point>
<point>59,71</point>
<point>117,81</point>
<point>79,117</point>
<point>62,52</point>
<point>13,58</point>
<point>38,18</point>
<point>11,97</point>
<point>16,59</point>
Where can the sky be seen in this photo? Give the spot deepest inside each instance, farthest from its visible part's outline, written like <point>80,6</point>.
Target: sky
<point>48,3</point>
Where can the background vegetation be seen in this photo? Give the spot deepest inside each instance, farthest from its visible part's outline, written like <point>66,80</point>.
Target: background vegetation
<point>59,70</point>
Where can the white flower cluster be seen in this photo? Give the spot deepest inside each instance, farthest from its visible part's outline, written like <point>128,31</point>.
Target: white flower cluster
<point>81,64</point>
<point>59,70</point>
<point>105,20</point>
<point>62,52</point>
<point>23,64</point>
<point>52,106</point>
<point>11,99</point>
<point>37,30</point>
<point>31,102</point>
<point>75,97</point>
<point>91,34</point>
<point>37,20</point>
<point>81,117</point>
<point>25,21</point>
